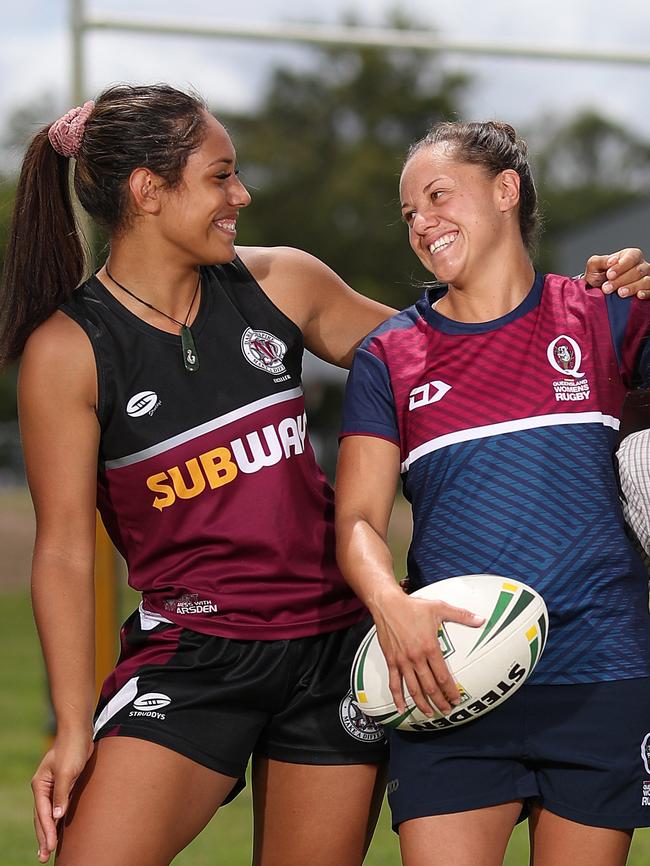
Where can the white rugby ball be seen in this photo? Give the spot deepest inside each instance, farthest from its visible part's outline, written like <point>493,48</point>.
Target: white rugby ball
<point>488,663</point>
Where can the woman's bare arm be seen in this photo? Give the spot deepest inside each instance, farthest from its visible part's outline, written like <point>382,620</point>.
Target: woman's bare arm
<point>407,627</point>
<point>60,436</point>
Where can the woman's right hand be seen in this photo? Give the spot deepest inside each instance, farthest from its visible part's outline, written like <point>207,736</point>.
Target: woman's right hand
<point>52,785</point>
<point>407,629</point>
<point>407,625</point>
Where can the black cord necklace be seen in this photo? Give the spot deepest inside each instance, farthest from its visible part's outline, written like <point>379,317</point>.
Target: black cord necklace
<point>190,355</point>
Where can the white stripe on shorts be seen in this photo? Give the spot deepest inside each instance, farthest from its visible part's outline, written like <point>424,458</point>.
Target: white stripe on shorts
<point>120,699</point>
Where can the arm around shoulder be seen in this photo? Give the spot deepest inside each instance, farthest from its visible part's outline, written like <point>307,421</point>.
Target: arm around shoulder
<point>332,316</point>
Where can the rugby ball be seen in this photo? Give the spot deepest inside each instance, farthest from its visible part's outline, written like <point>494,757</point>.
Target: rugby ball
<point>488,663</point>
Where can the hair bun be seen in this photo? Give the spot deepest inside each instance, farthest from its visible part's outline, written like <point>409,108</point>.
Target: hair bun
<point>505,128</point>
<point>66,133</point>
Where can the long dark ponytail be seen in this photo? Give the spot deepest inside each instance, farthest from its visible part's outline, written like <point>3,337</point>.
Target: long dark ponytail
<point>152,126</point>
<point>44,259</point>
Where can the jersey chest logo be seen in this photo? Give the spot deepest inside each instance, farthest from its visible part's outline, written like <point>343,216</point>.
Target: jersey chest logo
<point>565,357</point>
<point>424,395</point>
<point>142,403</point>
<point>264,351</point>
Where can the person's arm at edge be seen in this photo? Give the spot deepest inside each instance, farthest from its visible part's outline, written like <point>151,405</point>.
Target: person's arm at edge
<point>60,435</point>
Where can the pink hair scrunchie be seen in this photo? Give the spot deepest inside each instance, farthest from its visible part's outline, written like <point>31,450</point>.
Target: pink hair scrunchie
<point>66,133</point>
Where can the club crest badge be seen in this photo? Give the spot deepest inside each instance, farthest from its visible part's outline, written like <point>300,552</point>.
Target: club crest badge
<point>264,351</point>
<point>357,723</point>
<point>645,753</point>
<point>565,357</point>
<point>645,757</point>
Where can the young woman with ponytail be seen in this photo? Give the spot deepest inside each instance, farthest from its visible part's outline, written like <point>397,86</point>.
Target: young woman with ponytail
<point>165,390</point>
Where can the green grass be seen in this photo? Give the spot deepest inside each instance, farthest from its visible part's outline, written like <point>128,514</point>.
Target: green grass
<point>22,726</point>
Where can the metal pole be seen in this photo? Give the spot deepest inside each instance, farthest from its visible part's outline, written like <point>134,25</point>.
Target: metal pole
<point>77,86</point>
<point>106,573</point>
<point>77,97</point>
<point>426,41</point>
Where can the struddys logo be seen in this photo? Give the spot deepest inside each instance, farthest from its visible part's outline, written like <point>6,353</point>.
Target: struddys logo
<point>565,357</point>
<point>142,403</point>
<point>264,351</point>
<point>357,723</point>
<point>149,705</point>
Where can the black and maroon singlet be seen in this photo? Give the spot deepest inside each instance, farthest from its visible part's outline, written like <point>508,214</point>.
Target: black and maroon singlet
<point>207,482</point>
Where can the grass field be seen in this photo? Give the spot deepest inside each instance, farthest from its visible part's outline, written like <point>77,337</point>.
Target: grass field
<point>24,727</point>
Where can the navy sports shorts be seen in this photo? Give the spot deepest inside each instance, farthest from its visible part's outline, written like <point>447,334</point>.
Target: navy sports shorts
<point>217,700</point>
<point>580,751</point>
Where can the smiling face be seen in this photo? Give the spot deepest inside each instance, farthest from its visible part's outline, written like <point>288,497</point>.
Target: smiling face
<point>198,218</point>
<point>458,216</point>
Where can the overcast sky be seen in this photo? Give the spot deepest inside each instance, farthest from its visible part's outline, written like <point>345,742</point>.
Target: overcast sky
<point>34,52</point>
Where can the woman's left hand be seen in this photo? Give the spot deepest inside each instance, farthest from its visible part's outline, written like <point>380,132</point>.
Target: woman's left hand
<point>625,272</point>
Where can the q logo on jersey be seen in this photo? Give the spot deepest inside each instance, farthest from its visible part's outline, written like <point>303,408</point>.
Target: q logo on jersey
<point>565,356</point>
<point>264,351</point>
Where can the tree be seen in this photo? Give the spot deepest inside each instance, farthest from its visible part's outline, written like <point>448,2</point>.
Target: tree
<point>323,156</point>
<point>585,167</point>
<point>592,150</point>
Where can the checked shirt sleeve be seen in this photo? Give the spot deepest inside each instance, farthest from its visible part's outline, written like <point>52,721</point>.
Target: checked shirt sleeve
<point>634,472</point>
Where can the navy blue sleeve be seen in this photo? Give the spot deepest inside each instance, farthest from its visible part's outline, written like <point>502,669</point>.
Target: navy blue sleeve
<point>369,406</point>
<point>643,363</point>
<point>629,322</point>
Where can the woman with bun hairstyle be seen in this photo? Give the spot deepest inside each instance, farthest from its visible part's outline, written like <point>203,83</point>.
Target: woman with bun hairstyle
<point>497,398</point>
<point>165,389</point>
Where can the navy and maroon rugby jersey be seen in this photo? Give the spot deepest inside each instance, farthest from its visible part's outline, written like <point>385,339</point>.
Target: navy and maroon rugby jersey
<point>207,482</point>
<point>506,431</point>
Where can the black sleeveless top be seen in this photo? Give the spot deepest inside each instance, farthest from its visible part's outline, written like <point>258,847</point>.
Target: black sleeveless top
<point>207,482</point>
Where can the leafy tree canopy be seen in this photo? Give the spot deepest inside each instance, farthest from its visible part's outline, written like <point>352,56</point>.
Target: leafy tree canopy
<point>584,167</point>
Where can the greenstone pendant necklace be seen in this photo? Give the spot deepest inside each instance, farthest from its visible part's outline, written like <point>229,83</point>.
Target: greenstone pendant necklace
<point>190,355</point>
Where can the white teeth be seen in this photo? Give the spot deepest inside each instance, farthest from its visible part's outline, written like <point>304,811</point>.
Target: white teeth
<point>444,241</point>
<point>229,225</point>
